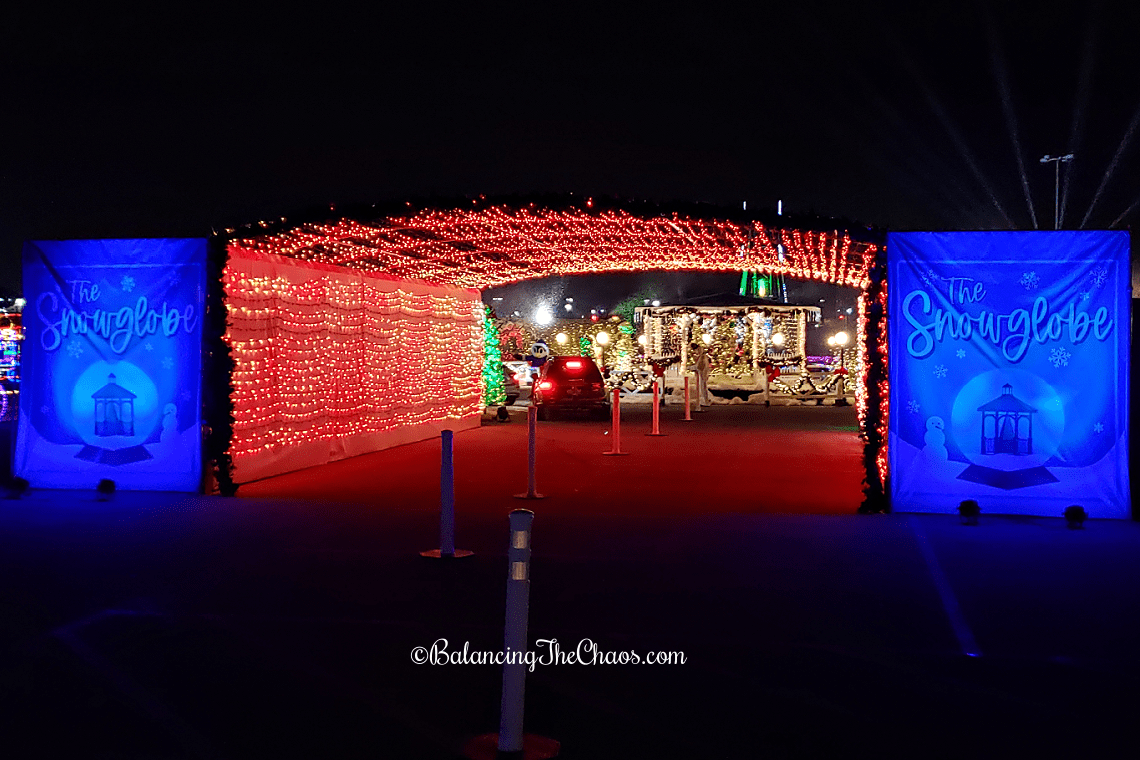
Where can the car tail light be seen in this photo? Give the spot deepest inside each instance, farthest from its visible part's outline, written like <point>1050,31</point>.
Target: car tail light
<point>574,364</point>
<point>545,385</point>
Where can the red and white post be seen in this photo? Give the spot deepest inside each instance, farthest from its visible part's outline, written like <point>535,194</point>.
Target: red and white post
<point>616,428</point>
<point>656,408</point>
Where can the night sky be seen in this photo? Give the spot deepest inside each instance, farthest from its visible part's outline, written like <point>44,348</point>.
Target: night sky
<point>153,124</point>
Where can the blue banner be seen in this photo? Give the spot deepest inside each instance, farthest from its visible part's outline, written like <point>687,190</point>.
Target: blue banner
<point>1009,368</point>
<point>112,364</point>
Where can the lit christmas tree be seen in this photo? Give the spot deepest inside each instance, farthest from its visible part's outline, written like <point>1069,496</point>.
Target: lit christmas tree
<point>494,385</point>
<point>586,346</point>
<point>623,351</point>
<point>723,351</point>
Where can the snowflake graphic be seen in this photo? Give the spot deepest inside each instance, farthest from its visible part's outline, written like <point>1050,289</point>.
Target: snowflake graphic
<point>912,405</point>
<point>167,363</point>
<point>931,278</point>
<point>940,370</point>
<point>1099,276</point>
<point>960,353</point>
<point>127,284</point>
<point>1059,357</point>
<point>1085,295</point>
<point>148,347</point>
<point>1098,428</point>
<point>74,348</point>
<point>1030,280</point>
<point>45,409</point>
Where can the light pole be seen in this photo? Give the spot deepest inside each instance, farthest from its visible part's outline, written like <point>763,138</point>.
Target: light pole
<point>1057,160</point>
<point>839,340</point>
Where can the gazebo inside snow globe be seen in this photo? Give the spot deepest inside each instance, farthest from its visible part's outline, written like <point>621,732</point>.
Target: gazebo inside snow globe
<point>1007,424</point>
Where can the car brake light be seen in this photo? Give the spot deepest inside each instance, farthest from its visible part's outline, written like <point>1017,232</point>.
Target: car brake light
<point>574,364</point>
<point>545,385</point>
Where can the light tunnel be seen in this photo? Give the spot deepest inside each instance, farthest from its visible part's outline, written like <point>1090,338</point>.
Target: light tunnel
<point>353,331</point>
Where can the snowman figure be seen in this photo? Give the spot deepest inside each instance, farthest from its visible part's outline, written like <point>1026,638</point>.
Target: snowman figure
<point>935,439</point>
<point>539,355</point>
<point>169,424</point>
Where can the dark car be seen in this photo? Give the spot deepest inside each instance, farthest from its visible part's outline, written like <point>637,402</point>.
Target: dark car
<point>570,384</point>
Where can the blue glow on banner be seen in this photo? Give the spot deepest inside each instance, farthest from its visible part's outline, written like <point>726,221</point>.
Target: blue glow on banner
<point>112,364</point>
<point>1009,367</point>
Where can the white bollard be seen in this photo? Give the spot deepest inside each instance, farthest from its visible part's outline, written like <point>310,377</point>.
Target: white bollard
<point>531,454</point>
<point>511,743</point>
<point>616,428</point>
<point>656,409</point>
<point>447,548</point>
<point>514,635</point>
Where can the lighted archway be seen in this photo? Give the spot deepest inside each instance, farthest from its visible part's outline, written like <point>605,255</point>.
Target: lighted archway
<point>483,243</point>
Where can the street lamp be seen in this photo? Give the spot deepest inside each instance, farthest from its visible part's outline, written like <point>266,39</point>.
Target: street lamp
<point>1057,161</point>
<point>839,340</point>
<point>543,316</point>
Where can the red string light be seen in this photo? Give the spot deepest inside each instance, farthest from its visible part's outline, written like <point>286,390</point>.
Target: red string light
<point>324,355</point>
<point>483,248</point>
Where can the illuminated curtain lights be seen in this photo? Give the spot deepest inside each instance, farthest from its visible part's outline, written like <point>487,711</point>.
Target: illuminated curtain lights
<point>323,355</point>
<point>498,245</point>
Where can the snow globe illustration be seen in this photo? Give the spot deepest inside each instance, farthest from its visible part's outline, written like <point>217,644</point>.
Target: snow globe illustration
<point>1007,423</point>
<point>114,406</point>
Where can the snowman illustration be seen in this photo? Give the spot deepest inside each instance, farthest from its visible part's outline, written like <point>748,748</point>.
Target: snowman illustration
<point>935,438</point>
<point>169,424</point>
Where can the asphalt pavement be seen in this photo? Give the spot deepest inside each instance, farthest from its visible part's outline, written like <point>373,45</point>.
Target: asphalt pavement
<point>283,623</point>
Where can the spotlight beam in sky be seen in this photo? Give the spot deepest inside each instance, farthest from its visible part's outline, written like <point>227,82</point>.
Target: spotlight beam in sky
<point>955,136</point>
<point>918,159</point>
<point>1001,75</point>
<point>1081,102</point>
<point>1112,164</point>
<point>1127,211</point>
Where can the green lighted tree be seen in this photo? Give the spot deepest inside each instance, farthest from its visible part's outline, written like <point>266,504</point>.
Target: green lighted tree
<point>623,351</point>
<point>625,309</point>
<point>494,385</point>
<point>723,350</point>
<point>586,346</point>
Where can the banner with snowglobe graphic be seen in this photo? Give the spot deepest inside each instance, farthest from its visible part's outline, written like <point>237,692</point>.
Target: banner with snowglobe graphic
<point>112,368</point>
<point>1009,369</point>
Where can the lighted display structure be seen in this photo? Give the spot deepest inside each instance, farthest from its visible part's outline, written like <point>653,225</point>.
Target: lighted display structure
<point>1009,372</point>
<point>11,336</point>
<point>112,364</point>
<point>332,362</point>
<point>483,243</point>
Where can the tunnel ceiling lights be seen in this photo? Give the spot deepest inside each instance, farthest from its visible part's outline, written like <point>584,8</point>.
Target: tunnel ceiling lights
<point>498,245</point>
